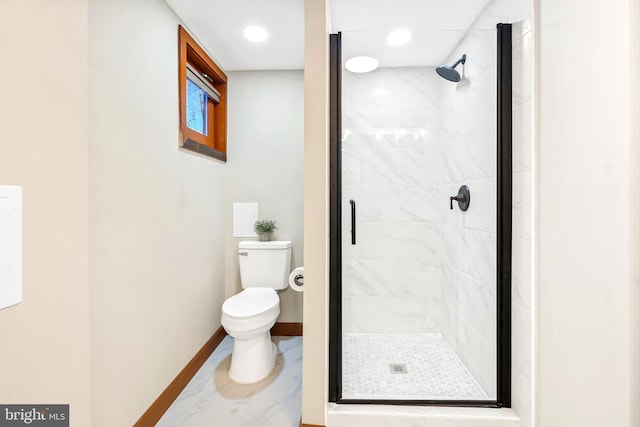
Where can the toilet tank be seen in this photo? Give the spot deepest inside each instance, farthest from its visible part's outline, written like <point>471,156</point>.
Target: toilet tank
<point>264,264</point>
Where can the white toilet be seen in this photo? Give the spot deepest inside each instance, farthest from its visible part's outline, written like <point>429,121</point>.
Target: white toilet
<point>249,315</point>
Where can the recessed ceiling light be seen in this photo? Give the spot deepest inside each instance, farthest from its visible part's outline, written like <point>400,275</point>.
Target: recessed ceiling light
<point>398,37</point>
<point>255,33</point>
<point>361,64</point>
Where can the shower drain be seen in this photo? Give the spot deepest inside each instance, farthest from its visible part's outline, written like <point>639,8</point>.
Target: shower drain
<point>398,368</point>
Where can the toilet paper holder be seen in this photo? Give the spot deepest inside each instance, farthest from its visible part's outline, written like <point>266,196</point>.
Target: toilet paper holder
<point>296,279</point>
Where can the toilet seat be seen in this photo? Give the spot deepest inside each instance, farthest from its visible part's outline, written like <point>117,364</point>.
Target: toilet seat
<point>251,311</point>
<point>250,303</point>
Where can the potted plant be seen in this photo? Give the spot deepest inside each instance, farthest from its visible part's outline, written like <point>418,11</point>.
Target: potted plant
<point>265,229</point>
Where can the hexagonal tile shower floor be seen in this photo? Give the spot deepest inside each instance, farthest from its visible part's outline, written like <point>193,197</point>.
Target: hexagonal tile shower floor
<point>432,370</point>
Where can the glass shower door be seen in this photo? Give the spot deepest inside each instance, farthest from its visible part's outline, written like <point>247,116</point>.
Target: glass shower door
<point>418,274</point>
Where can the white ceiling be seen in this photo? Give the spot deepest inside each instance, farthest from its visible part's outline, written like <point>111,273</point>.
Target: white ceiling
<point>437,26</point>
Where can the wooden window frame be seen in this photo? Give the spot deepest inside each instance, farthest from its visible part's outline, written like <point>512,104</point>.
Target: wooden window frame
<point>214,144</point>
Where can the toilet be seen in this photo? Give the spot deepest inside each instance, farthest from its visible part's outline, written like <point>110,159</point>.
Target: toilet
<point>249,315</point>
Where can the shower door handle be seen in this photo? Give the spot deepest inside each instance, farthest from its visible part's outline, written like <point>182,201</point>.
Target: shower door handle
<point>353,221</point>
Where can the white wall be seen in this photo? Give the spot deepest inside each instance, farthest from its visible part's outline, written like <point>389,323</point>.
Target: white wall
<point>585,176</point>
<point>265,165</point>
<point>634,198</point>
<point>522,302</point>
<point>44,357</point>
<point>316,220</point>
<point>156,214</point>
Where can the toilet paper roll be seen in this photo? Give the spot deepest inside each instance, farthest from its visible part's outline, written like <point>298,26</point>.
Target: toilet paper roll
<point>296,279</point>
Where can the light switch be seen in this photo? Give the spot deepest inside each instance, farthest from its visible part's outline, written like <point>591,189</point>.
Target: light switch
<point>10,245</point>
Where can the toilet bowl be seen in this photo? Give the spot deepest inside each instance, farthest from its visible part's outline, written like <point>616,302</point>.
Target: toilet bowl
<point>249,315</point>
<point>248,318</point>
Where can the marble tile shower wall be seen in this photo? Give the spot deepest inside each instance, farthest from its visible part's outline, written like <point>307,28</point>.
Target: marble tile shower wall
<point>521,308</point>
<point>403,157</point>
<point>469,252</point>
<point>392,169</point>
<point>520,14</point>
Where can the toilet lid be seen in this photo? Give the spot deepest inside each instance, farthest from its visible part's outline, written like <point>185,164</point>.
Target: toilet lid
<point>251,302</point>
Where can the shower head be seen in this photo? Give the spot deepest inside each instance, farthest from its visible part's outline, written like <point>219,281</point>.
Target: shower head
<point>449,72</point>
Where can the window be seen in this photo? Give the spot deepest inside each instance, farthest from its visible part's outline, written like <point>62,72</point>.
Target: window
<point>202,88</point>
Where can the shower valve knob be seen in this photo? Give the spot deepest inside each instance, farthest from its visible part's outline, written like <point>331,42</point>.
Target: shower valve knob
<point>463,198</point>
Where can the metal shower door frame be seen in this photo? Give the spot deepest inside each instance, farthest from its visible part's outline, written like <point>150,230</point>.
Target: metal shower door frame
<point>504,226</point>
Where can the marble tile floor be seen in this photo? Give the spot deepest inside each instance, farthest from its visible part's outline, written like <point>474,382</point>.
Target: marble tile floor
<point>433,370</point>
<point>212,399</point>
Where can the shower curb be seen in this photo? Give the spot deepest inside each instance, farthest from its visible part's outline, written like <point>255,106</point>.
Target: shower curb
<point>406,416</point>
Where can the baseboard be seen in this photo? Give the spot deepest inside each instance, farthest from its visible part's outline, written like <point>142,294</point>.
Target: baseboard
<point>166,398</point>
<point>287,329</point>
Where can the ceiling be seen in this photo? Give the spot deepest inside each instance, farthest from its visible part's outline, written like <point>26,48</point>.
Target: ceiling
<point>437,27</point>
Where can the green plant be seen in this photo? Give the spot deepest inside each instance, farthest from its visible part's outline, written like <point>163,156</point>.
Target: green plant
<point>266,226</point>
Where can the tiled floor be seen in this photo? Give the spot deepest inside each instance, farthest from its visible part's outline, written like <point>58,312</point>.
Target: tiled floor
<point>433,370</point>
<point>212,399</point>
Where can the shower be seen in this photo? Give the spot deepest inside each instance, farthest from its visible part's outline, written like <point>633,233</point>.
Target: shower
<point>449,72</point>
<point>418,303</point>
